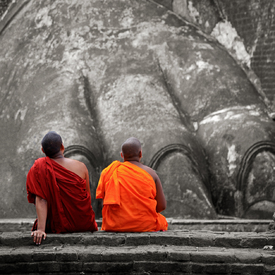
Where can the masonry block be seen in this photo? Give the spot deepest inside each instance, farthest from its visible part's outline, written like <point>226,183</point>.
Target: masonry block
<point>20,239</point>
<point>161,267</point>
<point>137,239</point>
<point>210,257</point>
<point>121,256</point>
<point>179,256</point>
<point>248,257</point>
<point>66,257</point>
<point>15,256</point>
<point>157,253</point>
<point>197,241</point>
<point>118,267</point>
<point>45,267</point>
<point>197,268</point>
<point>269,270</point>
<point>269,259</point>
<point>64,239</point>
<point>254,242</point>
<point>216,269</point>
<point>227,241</point>
<point>94,267</point>
<point>71,266</point>
<point>168,240</point>
<point>91,255</point>
<point>27,267</point>
<point>245,269</point>
<point>8,268</point>
<point>108,240</point>
<point>43,256</point>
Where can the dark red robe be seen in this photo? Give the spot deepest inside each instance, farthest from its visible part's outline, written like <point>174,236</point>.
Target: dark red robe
<point>68,201</point>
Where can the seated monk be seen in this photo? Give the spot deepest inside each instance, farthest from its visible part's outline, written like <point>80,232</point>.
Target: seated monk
<point>59,187</point>
<point>132,194</point>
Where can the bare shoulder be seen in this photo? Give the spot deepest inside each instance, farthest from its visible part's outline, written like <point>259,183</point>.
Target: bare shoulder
<point>150,171</point>
<point>75,166</point>
<point>75,162</point>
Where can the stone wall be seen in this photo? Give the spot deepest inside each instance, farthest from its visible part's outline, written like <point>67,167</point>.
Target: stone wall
<point>136,69</point>
<point>4,5</point>
<point>253,21</point>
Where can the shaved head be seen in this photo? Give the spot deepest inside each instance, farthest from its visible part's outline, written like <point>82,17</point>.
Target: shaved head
<point>51,143</point>
<point>131,148</point>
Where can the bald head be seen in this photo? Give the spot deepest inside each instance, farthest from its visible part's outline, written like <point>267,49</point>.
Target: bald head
<point>51,143</point>
<point>131,149</point>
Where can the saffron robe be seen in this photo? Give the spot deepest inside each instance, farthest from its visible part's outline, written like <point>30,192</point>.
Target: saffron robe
<point>68,201</point>
<point>129,203</point>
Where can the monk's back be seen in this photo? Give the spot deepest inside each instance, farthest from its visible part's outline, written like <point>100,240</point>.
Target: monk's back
<point>139,182</point>
<point>129,200</point>
<point>73,165</point>
<point>149,170</point>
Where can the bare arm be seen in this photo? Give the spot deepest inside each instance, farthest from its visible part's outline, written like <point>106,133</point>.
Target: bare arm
<point>87,180</point>
<point>160,198</point>
<point>100,206</point>
<point>41,210</point>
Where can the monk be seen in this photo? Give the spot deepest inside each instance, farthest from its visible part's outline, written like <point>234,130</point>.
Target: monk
<point>132,194</point>
<point>59,187</point>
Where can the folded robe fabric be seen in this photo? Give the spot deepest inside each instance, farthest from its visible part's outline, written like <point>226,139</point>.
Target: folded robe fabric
<point>129,204</point>
<point>68,201</point>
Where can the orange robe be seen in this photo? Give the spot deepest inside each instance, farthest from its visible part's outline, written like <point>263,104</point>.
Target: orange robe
<point>129,203</point>
<point>68,201</point>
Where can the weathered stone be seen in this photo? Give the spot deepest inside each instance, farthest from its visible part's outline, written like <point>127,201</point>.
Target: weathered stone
<point>91,255</point>
<point>138,259</point>
<point>161,267</point>
<point>98,73</point>
<point>68,257</point>
<point>254,242</point>
<point>14,256</point>
<point>219,257</point>
<point>249,257</point>
<point>216,269</point>
<point>179,256</point>
<point>71,267</point>
<point>247,269</point>
<point>228,241</point>
<point>139,239</point>
<point>45,256</point>
<point>47,267</point>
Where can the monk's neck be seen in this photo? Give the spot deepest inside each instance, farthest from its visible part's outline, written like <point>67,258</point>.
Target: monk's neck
<point>58,156</point>
<point>133,160</point>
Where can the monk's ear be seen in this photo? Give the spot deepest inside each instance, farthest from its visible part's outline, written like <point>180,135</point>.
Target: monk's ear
<point>121,154</point>
<point>42,150</point>
<point>62,148</point>
<point>140,154</point>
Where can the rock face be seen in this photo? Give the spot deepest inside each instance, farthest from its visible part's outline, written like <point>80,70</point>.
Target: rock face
<point>98,72</point>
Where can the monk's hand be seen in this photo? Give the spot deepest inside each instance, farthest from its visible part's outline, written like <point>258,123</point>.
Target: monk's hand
<point>38,235</point>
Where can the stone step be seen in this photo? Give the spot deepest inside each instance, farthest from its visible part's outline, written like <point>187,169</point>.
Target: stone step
<point>170,252</point>
<point>174,237</point>
<point>232,225</point>
<point>134,259</point>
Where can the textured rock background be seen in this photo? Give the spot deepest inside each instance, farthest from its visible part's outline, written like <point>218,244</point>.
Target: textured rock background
<point>252,20</point>
<point>4,4</point>
<point>98,72</point>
